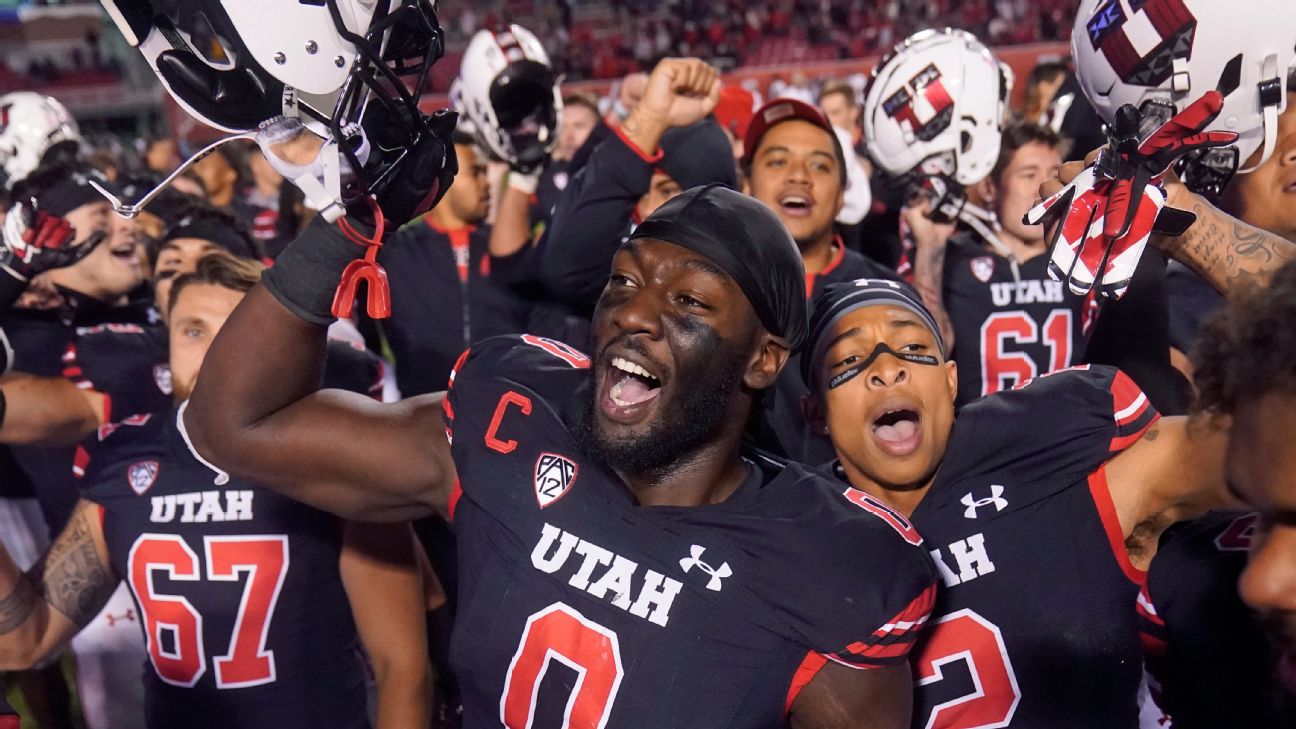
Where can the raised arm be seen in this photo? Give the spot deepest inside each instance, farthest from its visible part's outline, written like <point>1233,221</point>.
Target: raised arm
<point>41,610</point>
<point>1223,250</point>
<point>930,241</point>
<point>47,411</point>
<point>591,217</point>
<point>384,582</point>
<point>257,410</point>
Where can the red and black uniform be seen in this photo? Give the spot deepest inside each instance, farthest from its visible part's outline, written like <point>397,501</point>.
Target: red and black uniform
<point>1007,329</point>
<point>39,339</point>
<point>782,427</point>
<point>243,607</point>
<point>576,601</point>
<point>1034,625</point>
<point>443,299</point>
<point>1210,663</point>
<point>129,364</point>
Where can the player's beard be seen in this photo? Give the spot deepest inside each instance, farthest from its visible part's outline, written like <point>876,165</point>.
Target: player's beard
<point>694,417</point>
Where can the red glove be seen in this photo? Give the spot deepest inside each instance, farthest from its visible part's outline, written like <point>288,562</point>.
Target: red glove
<point>1105,216</point>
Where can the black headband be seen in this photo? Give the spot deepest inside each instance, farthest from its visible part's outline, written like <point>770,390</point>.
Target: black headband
<point>222,233</point>
<point>747,241</point>
<point>70,193</point>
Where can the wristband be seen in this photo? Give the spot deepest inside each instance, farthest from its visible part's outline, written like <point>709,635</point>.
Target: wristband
<point>305,276</point>
<point>524,182</point>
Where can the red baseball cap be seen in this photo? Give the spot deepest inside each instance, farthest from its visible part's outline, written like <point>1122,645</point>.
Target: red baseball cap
<point>781,110</point>
<point>776,112</point>
<point>734,111</point>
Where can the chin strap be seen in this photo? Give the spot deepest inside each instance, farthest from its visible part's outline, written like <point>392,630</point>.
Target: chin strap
<point>1271,96</point>
<point>952,204</point>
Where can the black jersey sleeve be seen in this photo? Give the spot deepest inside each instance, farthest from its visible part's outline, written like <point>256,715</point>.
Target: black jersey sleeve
<point>1067,423</point>
<point>100,453</point>
<point>125,362</point>
<point>501,390</point>
<point>866,605</point>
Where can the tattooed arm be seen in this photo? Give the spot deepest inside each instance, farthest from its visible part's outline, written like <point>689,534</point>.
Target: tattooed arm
<point>1223,250</point>
<point>42,609</point>
<point>930,240</point>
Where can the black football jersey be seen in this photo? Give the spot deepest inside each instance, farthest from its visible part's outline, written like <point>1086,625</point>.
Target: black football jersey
<point>1007,331</point>
<point>579,607</point>
<point>1034,625</point>
<point>245,616</point>
<point>1209,661</point>
<point>129,364</point>
<point>125,362</point>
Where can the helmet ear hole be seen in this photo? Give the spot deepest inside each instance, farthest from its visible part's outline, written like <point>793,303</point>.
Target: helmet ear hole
<point>965,141</point>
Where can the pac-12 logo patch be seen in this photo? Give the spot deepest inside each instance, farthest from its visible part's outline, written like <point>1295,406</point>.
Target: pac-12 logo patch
<point>554,475</point>
<point>982,267</point>
<point>162,377</point>
<point>142,475</point>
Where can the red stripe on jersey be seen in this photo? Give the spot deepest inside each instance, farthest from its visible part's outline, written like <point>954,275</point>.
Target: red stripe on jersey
<point>879,509</point>
<point>809,667</point>
<point>1152,645</point>
<point>72,372</point>
<point>107,416</point>
<point>455,494</point>
<point>906,622</point>
<point>647,158</point>
<point>102,514</point>
<point>1128,400</point>
<point>1146,609</point>
<point>8,721</point>
<point>447,409</point>
<point>455,370</point>
<point>80,462</point>
<point>1111,524</point>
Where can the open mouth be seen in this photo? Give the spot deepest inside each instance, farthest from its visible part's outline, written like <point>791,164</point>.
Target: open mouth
<point>897,431</point>
<point>628,387</point>
<point>796,204</point>
<point>125,253</point>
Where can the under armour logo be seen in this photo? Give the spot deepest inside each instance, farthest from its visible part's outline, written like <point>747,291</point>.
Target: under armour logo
<point>996,499</point>
<point>717,573</point>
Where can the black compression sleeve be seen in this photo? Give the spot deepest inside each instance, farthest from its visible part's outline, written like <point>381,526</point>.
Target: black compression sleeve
<point>305,276</point>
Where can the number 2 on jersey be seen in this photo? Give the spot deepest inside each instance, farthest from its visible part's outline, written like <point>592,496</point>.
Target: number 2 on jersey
<point>1001,369</point>
<point>264,559</point>
<point>559,633</point>
<point>964,636</point>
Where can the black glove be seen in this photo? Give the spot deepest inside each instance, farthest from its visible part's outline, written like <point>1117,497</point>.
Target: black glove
<point>406,182</point>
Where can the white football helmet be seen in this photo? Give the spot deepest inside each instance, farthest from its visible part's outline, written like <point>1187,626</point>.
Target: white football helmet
<point>351,71</point>
<point>510,96</point>
<point>32,124</point>
<point>1161,55</point>
<point>935,106</point>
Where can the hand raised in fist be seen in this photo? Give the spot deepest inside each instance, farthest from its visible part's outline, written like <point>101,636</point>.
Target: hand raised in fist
<point>680,91</point>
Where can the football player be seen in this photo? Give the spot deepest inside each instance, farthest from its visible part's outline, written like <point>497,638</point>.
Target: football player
<point>276,647</point>
<point>935,119</point>
<point>1076,458</point>
<point>623,563</point>
<point>1246,365</point>
<point>1192,581</point>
